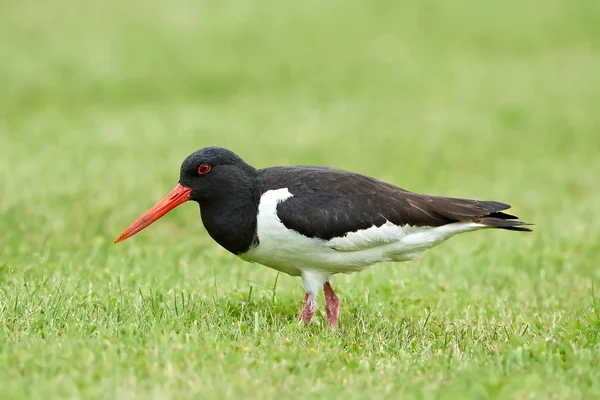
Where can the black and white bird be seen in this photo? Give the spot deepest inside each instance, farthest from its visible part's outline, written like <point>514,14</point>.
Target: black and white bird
<point>315,222</point>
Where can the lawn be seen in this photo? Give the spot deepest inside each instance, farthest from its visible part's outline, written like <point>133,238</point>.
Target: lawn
<point>101,101</point>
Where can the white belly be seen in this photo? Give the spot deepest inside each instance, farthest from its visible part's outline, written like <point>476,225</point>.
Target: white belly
<point>288,251</point>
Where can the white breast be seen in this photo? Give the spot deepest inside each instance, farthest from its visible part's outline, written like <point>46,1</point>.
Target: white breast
<point>288,251</point>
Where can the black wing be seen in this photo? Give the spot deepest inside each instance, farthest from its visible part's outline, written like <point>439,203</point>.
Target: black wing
<point>329,203</point>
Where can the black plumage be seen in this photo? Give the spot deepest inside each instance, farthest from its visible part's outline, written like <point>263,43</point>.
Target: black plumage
<point>329,203</point>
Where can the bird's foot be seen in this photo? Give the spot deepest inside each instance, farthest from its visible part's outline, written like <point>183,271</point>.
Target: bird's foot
<point>332,304</point>
<point>309,308</point>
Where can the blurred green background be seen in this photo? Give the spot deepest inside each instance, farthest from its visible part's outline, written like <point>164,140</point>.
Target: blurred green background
<point>101,101</point>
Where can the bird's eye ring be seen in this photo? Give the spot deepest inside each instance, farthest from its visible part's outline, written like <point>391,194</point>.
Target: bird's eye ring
<point>204,169</point>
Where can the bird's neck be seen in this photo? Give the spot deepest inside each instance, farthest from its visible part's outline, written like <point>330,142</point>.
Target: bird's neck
<point>231,221</point>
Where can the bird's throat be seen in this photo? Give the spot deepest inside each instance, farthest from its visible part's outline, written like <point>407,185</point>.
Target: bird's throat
<point>231,222</point>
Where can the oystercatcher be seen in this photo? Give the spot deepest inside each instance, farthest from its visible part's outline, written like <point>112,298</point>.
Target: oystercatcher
<point>316,222</point>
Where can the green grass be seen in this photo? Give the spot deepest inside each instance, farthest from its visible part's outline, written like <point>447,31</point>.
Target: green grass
<point>101,101</point>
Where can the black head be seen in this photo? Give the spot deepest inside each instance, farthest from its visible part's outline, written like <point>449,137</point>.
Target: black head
<point>214,172</point>
<point>209,175</point>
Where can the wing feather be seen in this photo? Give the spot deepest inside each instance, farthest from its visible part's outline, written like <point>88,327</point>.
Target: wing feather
<point>329,203</point>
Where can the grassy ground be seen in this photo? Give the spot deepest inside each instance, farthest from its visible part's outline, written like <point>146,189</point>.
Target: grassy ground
<point>100,102</point>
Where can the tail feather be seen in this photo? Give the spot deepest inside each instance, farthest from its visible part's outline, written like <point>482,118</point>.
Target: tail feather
<point>498,219</point>
<point>504,223</point>
<point>436,211</point>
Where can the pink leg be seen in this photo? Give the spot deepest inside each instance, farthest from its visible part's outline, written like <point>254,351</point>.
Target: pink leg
<point>309,308</point>
<point>332,304</point>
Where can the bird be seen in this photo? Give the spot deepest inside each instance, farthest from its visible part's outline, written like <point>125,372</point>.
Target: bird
<point>315,222</point>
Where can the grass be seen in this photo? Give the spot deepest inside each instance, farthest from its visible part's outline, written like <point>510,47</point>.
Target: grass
<point>100,102</point>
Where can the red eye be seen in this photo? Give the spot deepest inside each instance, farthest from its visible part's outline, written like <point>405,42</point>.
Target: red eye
<point>204,169</point>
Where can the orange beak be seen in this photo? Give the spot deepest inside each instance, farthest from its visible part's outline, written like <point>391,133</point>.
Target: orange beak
<point>178,196</point>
